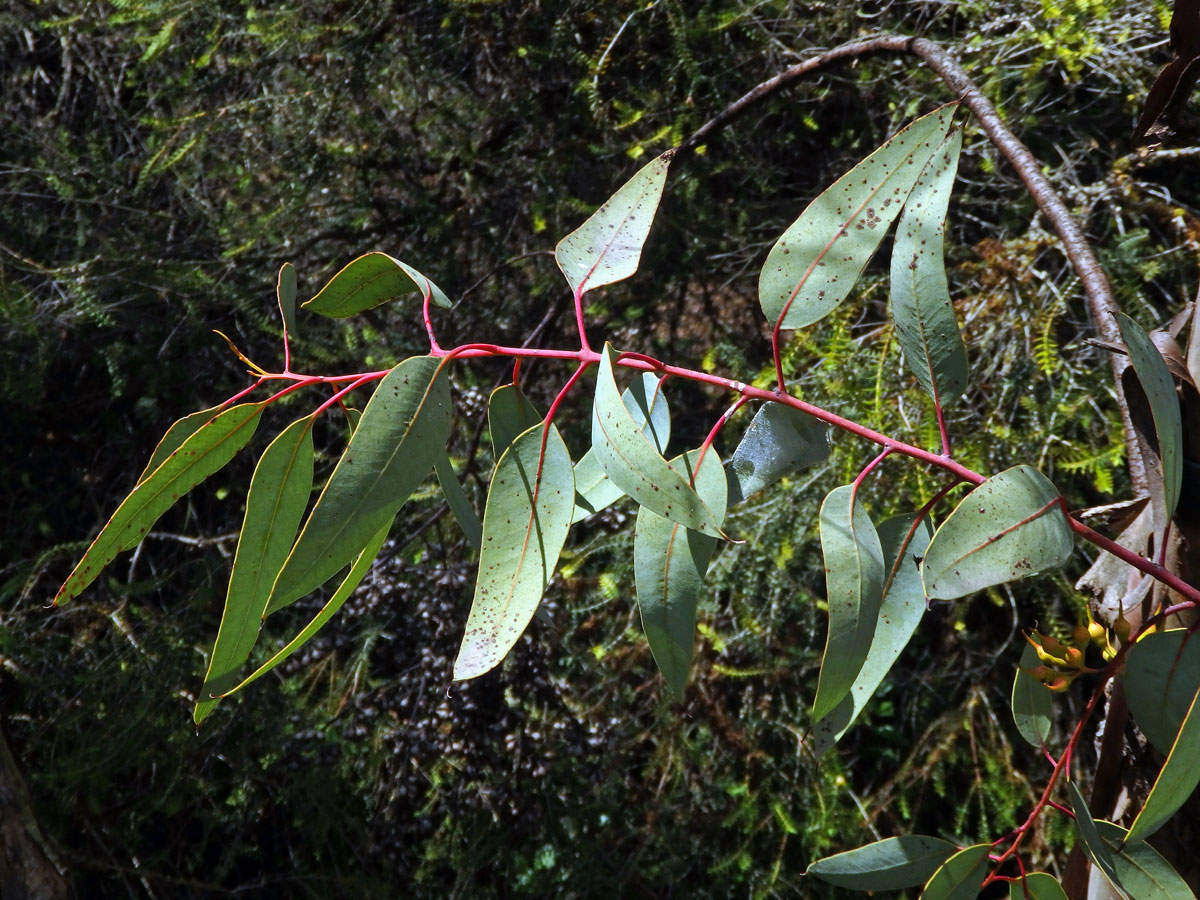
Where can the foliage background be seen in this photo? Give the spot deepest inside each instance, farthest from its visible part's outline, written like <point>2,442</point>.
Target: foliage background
<point>161,160</point>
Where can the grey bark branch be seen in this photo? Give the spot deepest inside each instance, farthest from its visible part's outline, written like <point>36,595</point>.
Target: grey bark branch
<point>1097,291</point>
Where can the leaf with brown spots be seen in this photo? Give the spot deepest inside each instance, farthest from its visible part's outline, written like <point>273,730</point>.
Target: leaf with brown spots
<point>608,246</point>
<point>815,264</point>
<point>525,523</point>
<point>204,452</point>
<point>1008,528</point>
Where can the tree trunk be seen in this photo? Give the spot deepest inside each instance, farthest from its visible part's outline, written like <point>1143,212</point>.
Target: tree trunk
<point>27,868</point>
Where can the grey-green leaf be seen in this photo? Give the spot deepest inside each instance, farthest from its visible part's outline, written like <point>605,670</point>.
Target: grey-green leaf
<point>647,404</point>
<point>1036,886</point>
<point>525,524</point>
<point>402,432</point>
<point>368,281</point>
<point>456,498</point>
<point>510,413</point>
<point>285,292</point>
<point>358,571</point>
<point>669,562</point>
<point>1175,783</point>
<point>608,246</point>
<point>204,452</point>
<point>899,614</point>
<point>1006,529</point>
<point>634,464</point>
<point>961,876</point>
<point>1162,675</point>
<point>1032,708</point>
<point>180,431</point>
<point>275,504</point>
<point>1093,846</point>
<point>925,324</point>
<point>854,576</point>
<point>1143,873</point>
<point>815,264</point>
<point>1155,379</point>
<point>892,864</point>
<point>780,441</point>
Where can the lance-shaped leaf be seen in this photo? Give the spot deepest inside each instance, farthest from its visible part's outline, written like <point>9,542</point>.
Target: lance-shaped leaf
<point>924,316</point>
<point>370,280</point>
<point>525,523</point>
<point>647,404</point>
<point>401,434</point>
<point>633,463</point>
<point>285,292</point>
<point>1155,380</point>
<point>180,431</point>
<point>456,499</point>
<point>815,264</point>
<point>358,571</point>
<point>275,506</point>
<point>1010,527</point>
<point>1179,776</point>
<point>608,246</point>
<point>1036,886</point>
<point>854,576</point>
<point>780,441</point>
<point>510,413</point>
<point>899,614</point>
<point>892,864</point>
<point>1142,872</point>
<point>1162,676</point>
<point>1093,846</point>
<point>669,562</point>
<point>207,450</point>
<point>1031,703</point>
<point>961,876</point>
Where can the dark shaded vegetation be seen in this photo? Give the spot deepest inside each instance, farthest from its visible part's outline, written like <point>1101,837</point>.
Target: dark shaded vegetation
<point>160,162</point>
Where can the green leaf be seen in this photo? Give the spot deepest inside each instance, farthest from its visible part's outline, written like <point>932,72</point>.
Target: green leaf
<point>899,614</point>
<point>402,433</point>
<point>1155,379</point>
<point>854,576</point>
<point>179,432</point>
<point>1004,530</point>
<point>275,506</point>
<point>358,571</point>
<point>1037,886</point>
<point>370,280</point>
<point>925,324</point>
<point>633,463</point>
<point>285,291</point>
<point>1162,675</point>
<point>525,523</point>
<point>961,876</point>
<point>892,864</point>
<point>1179,776</point>
<point>669,562</point>
<point>608,246</point>
<point>456,499</point>
<point>1093,846</point>
<point>1032,708</point>
<point>1143,873</point>
<point>647,404</point>
<point>780,441</point>
<point>815,264</point>
<point>204,452</point>
<point>510,413</point>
